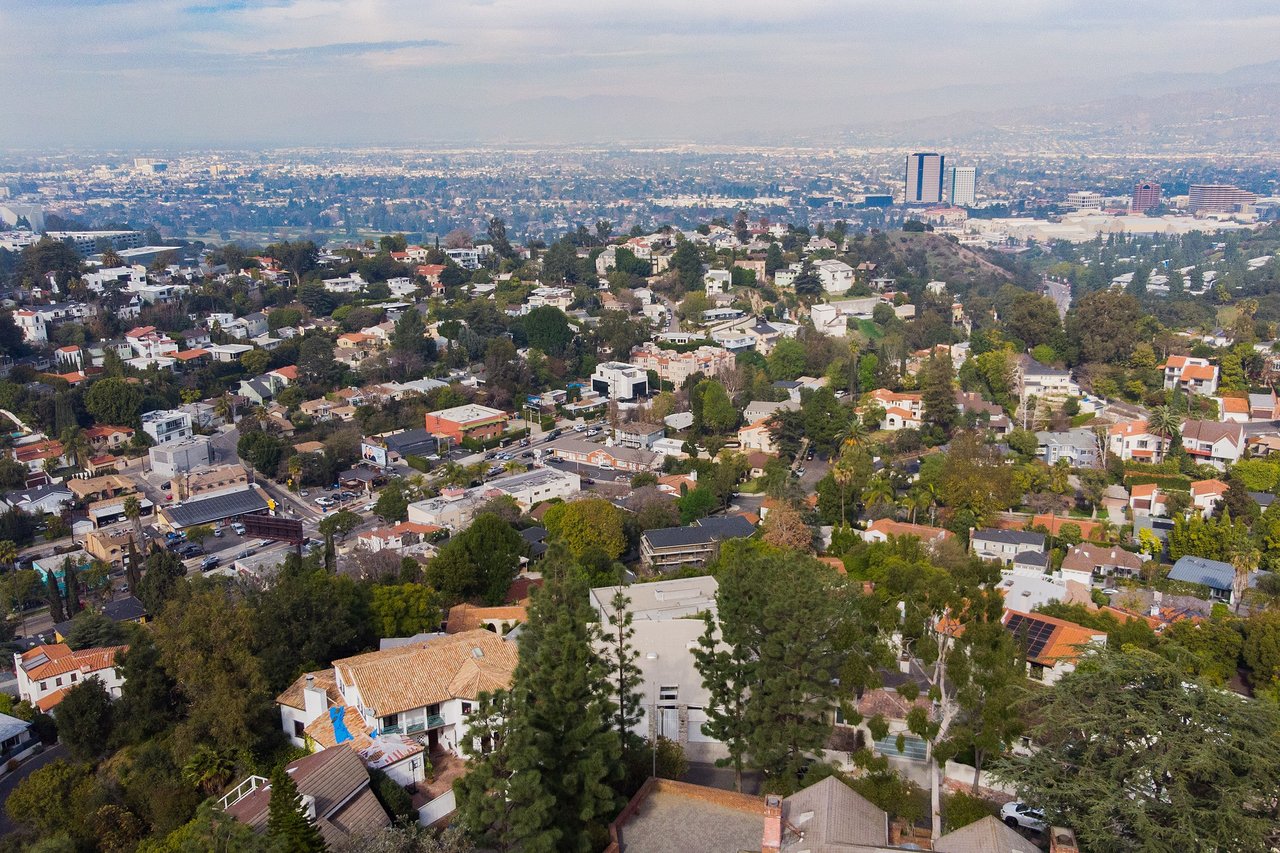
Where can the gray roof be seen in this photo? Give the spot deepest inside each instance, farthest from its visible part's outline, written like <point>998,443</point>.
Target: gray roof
<point>702,532</point>
<point>411,442</point>
<point>1039,559</point>
<point>988,835</point>
<point>832,816</point>
<point>1030,539</point>
<point>1214,574</point>
<point>216,508</point>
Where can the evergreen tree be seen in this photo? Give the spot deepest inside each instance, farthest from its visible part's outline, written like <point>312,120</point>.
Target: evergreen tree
<point>938,396</point>
<point>547,786</point>
<point>71,583</point>
<point>54,596</point>
<point>773,260</point>
<point>287,824</point>
<point>624,673</point>
<point>687,263</point>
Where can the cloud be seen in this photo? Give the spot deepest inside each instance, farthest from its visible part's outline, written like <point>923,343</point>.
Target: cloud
<point>350,48</point>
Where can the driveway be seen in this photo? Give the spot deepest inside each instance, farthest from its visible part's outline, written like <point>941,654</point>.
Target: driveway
<point>8,783</point>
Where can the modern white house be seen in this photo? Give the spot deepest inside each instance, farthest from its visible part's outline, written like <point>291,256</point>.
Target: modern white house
<point>165,425</point>
<point>618,380</point>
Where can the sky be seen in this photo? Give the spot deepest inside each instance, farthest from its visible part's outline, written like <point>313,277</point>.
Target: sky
<point>151,74</point>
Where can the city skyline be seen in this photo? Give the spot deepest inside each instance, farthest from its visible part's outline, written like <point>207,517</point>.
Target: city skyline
<point>175,73</point>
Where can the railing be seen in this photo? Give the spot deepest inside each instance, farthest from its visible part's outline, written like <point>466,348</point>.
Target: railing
<point>239,792</point>
<point>434,721</point>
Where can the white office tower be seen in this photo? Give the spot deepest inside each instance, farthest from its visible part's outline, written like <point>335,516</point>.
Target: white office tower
<point>964,183</point>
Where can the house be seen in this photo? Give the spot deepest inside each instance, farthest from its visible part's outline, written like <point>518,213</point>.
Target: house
<point>676,367</point>
<point>336,793</point>
<point>638,435</point>
<point>37,454</point>
<point>582,452</point>
<point>836,276</point>
<point>398,537</point>
<point>16,739</point>
<point>618,380</point>
<point>988,835</point>
<point>1234,409</point>
<point>668,548</point>
<point>1218,576</point>
<point>1079,447</point>
<point>473,421</point>
<point>1088,562</point>
<point>901,410</point>
<point>110,544</point>
<point>536,486</point>
<point>103,439</point>
<point>1004,545</point>
<point>422,692</point>
<point>453,508</point>
<point>1132,441</point>
<point>717,281</point>
<point>1051,646</point>
<point>660,601</point>
<point>127,609</point>
<point>1146,498</point>
<point>758,436</point>
<point>499,620</point>
<point>164,425</point>
<point>49,499</point>
<point>1045,383</point>
<point>882,529</point>
<point>1214,443</point>
<point>179,457</point>
<point>1206,494</point>
<point>1190,375</point>
<point>46,672</point>
<point>832,318</point>
<point>1026,589</point>
<point>1265,406</point>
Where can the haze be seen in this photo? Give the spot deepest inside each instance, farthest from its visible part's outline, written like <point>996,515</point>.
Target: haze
<point>155,73</point>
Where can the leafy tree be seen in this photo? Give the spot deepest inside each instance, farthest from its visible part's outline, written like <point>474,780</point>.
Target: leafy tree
<point>807,284</point>
<point>1262,651</point>
<point>719,415</point>
<point>787,360</point>
<point>768,660</point>
<point>1132,755</point>
<point>91,630</point>
<point>211,829</point>
<point>1101,325</point>
<point>547,784</point>
<point>785,528</point>
<point>478,563</point>
<point>115,401</point>
<point>548,329</point>
<point>84,720</point>
<point>773,260</point>
<point>287,822</point>
<point>700,502</point>
<point>199,533</point>
<point>585,524</point>
<point>48,800</point>
<point>262,451</point>
<point>205,636</point>
<point>149,699</point>
<point>405,609</point>
<point>392,503</point>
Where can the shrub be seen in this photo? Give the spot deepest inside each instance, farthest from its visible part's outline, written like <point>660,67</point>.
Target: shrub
<point>961,809</point>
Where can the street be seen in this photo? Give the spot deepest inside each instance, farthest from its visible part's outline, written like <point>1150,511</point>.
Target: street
<point>1060,293</point>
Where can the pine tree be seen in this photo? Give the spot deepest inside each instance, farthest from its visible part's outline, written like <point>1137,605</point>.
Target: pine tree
<point>54,596</point>
<point>287,823</point>
<point>938,396</point>
<point>559,754</point>
<point>624,673</point>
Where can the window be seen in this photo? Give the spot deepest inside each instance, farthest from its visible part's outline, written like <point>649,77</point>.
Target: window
<point>58,681</point>
<point>298,729</point>
<point>466,708</point>
<point>73,678</point>
<point>44,685</point>
<point>668,693</point>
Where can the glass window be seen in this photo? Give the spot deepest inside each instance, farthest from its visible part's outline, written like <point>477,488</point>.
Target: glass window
<point>668,693</point>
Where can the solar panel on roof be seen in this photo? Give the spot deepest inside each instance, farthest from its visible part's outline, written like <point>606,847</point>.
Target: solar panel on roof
<point>1034,632</point>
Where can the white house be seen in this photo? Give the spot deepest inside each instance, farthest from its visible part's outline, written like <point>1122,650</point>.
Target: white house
<point>618,380</point>
<point>1191,375</point>
<point>164,425</point>
<point>46,672</point>
<point>1218,444</point>
<point>836,276</point>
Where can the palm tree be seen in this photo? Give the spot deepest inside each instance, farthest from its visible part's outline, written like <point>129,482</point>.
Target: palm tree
<point>855,434</point>
<point>1244,558</point>
<point>512,466</point>
<point>9,556</point>
<point>133,512</point>
<point>879,491</point>
<point>208,769</point>
<point>75,445</point>
<point>919,498</point>
<point>842,472</point>
<point>1163,423</point>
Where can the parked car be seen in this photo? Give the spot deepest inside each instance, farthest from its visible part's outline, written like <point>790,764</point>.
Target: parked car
<point>210,562</point>
<point>238,528</point>
<point>247,552</point>
<point>217,533</point>
<point>304,493</point>
<point>1021,815</point>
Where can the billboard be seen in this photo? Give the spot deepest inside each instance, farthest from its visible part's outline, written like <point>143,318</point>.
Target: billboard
<point>280,529</point>
<point>375,453</point>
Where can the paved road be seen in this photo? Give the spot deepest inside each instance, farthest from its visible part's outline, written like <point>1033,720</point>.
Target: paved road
<point>1060,293</point>
<point>8,783</point>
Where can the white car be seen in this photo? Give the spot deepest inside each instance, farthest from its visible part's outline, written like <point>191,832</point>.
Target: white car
<point>1021,815</point>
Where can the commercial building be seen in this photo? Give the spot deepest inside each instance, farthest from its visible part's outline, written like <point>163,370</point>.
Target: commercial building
<point>178,457</point>
<point>87,242</point>
<point>924,178</point>
<point>1218,198</point>
<point>164,425</point>
<point>1146,195</point>
<point>538,485</point>
<point>1084,201</point>
<point>963,186</point>
<point>469,421</point>
<point>618,380</point>
<point>214,509</point>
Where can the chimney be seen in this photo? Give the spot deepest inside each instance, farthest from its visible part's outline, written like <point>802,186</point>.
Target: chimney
<point>315,700</point>
<point>772,841</point>
<point>1062,841</point>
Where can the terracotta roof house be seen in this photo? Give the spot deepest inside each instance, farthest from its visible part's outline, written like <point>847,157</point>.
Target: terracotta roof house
<point>1206,494</point>
<point>46,672</point>
<point>881,529</point>
<point>468,617</point>
<point>1052,646</point>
